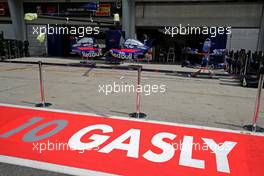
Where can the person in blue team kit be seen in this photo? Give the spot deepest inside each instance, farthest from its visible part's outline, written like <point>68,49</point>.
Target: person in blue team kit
<point>205,60</point>
<point>206,49</point>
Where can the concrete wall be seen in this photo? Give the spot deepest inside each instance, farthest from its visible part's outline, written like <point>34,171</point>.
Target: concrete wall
<point>8,31</point>
<point>17,16</point>
<point>244,18</point>
<point>243,39</point>
<point>235,15</point>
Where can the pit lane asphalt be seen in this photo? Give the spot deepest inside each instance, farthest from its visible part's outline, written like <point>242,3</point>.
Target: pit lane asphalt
<point>218,103</point>
<point>15,170</point>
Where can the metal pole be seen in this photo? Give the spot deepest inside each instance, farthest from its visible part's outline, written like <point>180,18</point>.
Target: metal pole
<point>42,95</point>
<point>246,65</point>
<point>257,105</point>
<point>138,114</point>
<point>138,101</point>
<point>9,50</point>
<point>41,85</point>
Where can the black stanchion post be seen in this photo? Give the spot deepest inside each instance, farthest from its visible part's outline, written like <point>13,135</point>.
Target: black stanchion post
<point>138,114</point>
<point>254,127</point>
<point>42,95</point>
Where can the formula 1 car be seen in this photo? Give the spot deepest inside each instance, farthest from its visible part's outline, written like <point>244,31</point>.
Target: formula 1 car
<point>132,49</point>
<point>86,48</point>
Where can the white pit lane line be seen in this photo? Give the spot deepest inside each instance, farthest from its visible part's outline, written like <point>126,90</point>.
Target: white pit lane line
<point>139,120</point>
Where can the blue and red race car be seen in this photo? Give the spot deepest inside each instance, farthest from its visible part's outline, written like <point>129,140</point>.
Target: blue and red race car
<point>132,49</point>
